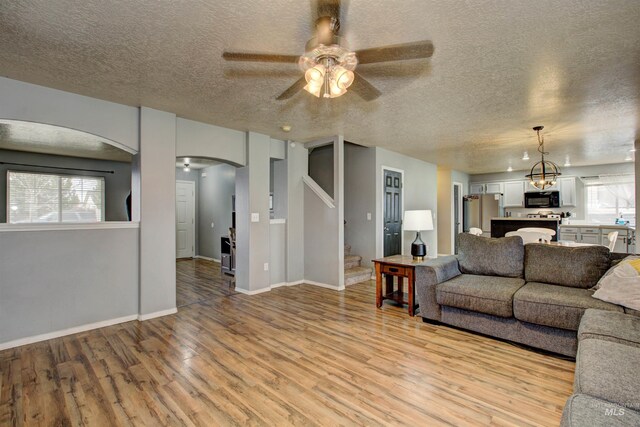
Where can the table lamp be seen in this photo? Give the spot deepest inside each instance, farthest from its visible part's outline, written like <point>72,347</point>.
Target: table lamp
<point>418,221</point>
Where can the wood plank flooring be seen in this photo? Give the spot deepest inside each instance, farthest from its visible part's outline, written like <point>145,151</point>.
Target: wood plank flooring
<point>300,355</point>
<point>199,280</point>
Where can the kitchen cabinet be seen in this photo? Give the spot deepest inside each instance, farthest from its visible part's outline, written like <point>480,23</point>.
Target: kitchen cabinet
<point>598,235</point>
<point>476,188</point>
<point>621,241</point>
<point>486,188</point>
<point>567,188</point>
<point>514,194</point>
<point>494,188</point>
<point>593,239</point>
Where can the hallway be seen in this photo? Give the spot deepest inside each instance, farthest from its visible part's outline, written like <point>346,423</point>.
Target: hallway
<point>198,280</point>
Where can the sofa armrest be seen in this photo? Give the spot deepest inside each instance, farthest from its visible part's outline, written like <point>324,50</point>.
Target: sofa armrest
<point>428,275</point>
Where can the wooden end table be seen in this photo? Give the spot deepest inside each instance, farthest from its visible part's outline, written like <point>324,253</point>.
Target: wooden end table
<point>400,266</point>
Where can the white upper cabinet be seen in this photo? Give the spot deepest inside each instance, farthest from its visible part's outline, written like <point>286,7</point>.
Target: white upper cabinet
<point>514,194</point>
<point>476,188</point>
<point>494,188</point>
<point>567,187</point>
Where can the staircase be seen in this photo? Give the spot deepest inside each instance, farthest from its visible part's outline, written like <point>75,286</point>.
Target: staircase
<point>353,272</point>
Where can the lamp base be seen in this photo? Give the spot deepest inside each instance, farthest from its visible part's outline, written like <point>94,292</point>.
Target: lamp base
<point>418,248</point>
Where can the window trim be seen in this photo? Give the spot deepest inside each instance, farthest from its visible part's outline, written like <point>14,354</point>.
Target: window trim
<point>59,175</point>
<point>587,215</point>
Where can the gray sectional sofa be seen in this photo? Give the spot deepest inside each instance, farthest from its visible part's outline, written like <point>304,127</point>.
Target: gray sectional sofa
<point>606,384</point>
<point>540,295</point>
<point>533,294</point>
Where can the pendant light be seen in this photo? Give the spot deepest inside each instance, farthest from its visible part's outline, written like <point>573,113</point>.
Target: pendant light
<point>544,173</point>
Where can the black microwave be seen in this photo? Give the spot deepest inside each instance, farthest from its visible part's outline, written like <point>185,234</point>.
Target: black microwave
<point>542,199</point>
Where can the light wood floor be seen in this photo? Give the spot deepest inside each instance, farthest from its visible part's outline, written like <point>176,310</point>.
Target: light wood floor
<point>300,355</point>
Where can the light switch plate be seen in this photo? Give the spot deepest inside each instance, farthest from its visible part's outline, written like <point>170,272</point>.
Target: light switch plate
<point>204,174</point>
<point>368,216</point>
<point>266,266</point>
<point>255,217</point>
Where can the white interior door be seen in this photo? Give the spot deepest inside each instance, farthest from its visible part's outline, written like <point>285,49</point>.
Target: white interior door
<point>185,219</point>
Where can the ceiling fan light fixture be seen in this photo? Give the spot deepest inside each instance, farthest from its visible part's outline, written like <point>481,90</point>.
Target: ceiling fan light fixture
<point>342,76</point>
<point>314,88</point>
<point>315,74</point>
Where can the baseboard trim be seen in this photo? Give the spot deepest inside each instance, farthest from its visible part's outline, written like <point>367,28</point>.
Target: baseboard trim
<point>256,292</point>
<point>207,258</point>
<point>297,282</point>
<point>325,285</point>
<point>64,332</point>
<point>278,285</point>
<point>148,316</point>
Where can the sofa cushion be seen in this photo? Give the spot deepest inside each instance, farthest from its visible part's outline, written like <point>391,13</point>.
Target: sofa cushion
<point>582,410</point>
<point>610,326</point>
<point>579,267</point>
<point>484,294</point>
<point>491,257</point>
<point>556,306</point>
<point>608,370</point>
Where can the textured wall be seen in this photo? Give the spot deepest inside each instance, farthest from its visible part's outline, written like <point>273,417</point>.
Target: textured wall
<point>81,277</point>
<point>360,200</point>
<point>420,192</point>
<point>157,211</point>
<point>215,206</point>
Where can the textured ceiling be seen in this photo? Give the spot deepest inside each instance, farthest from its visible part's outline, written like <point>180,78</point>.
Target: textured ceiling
<point>499,68</point>
<point>46,139</point>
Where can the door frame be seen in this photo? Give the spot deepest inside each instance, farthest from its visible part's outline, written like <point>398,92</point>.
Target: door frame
<point>381,230</point>
<point>460,215</point>
<point>193,224</point>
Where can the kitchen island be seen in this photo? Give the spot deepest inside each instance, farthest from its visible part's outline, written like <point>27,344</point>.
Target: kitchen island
<point>501,226</point>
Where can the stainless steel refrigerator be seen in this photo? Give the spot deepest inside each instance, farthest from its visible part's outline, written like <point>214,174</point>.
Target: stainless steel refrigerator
<point>478,209</point>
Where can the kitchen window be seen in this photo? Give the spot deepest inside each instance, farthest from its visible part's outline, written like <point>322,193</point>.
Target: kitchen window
<point>48,198</point>
<point>608,199</point>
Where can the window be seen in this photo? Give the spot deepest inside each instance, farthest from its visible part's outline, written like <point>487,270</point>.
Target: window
<point>44,198</point>
<point>608,199</point>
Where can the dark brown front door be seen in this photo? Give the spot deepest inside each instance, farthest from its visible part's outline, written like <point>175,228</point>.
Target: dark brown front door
<point>392,213</point>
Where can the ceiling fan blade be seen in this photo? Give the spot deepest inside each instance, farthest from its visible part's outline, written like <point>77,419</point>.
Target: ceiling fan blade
<point>260,57</point>
<point>362,87</point>
<point>398,52</point>
<point>293,89</point>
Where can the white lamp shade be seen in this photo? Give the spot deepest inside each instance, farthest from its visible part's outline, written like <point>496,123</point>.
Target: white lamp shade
<point>418,220</point>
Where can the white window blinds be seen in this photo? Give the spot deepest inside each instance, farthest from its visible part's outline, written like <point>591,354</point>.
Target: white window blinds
<point>42,198</point>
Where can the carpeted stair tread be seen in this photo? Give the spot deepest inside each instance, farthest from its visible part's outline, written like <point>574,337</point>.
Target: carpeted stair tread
<point>356,275</point>
<point>351,261</point>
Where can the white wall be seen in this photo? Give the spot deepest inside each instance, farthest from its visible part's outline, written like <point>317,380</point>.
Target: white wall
<point>33,103</point>
<point>360,200</point>
<point>157,212</point>
<point>252,197</point>
<point>215,206</point>
<point>70,278</point>
<point>195,139</point>
<point>296,168</point>
<point>420,192</point>
<point>446,179</point>
<point>324,228</point>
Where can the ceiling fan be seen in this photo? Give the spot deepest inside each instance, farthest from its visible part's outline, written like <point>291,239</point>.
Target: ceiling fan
<point>329,65</point>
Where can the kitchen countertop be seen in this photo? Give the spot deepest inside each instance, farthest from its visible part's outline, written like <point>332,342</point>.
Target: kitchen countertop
<point>524,219</point>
